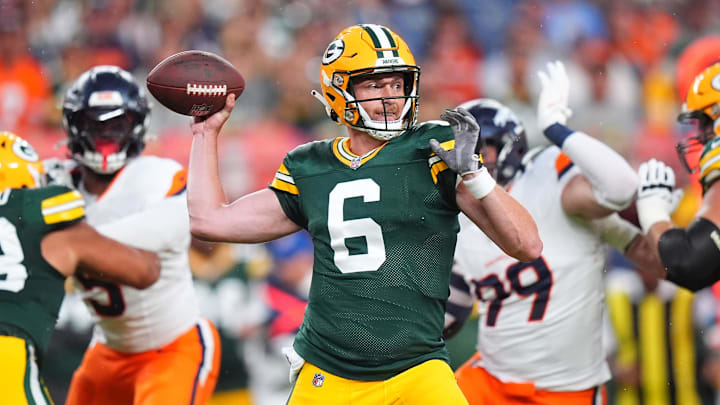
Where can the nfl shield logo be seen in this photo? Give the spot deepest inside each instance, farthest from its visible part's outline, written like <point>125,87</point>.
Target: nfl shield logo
<point>355,163</point>
<point>318,380</point>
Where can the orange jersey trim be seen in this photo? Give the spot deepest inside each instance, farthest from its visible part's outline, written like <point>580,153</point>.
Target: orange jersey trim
<point>179,183</point>
<point>562,164</point>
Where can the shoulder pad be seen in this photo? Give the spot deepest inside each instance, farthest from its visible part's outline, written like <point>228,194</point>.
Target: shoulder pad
<point>151,177</point>
<point>310,147</point>
<point>153,165</point>
<point>423,132</point>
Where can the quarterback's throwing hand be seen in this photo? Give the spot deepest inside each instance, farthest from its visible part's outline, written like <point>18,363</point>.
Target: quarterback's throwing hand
<point>657,197</point>
<point>211,125</point>
<point>464,158</point>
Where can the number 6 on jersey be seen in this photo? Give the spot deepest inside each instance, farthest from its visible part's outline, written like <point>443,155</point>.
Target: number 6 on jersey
<point>340,229</point>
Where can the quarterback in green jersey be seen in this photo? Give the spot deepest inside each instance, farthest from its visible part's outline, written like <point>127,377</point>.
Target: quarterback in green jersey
<point>43,240</point>
<point>692,255</point>
<point>381,206</point>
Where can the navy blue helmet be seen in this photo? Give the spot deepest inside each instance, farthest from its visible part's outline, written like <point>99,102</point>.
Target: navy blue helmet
<point>105,113</point>
<point>499,127</point>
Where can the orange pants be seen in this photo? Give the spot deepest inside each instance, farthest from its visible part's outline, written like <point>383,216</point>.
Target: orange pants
<point>482,388</point>
<point>183,372</point>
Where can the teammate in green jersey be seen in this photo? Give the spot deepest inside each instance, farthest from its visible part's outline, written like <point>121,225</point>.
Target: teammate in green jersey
<point>381,206</point>
<point>43,240</point>
<point>692,255</point>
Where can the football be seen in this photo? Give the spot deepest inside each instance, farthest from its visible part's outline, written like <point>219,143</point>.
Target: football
<point>194,83</point>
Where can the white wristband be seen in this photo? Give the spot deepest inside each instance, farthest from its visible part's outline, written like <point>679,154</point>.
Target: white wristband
<point>481,185</point>
<point>650,212</point>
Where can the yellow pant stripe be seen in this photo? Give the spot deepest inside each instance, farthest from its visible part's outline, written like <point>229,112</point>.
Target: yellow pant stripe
<point>620,311</point>
<point>683,345</point>
<point>652,346</point>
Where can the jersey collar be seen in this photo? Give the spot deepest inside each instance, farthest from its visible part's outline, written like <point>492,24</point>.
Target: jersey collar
<point>341,150</point>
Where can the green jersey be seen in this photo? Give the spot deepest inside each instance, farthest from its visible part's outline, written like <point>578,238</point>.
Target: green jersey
<point>384,227</point>
<point>710,163</point>
<point>31,290</point>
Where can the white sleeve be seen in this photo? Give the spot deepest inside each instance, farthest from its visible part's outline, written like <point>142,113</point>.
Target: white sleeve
<point>613,180</point>
<point>616,231</point>
<point>159,227</point>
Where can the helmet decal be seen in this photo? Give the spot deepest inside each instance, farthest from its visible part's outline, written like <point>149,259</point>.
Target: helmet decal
<point>334,51</point>
<point>715,82</point>
<point>108,98</point>
<point>24,150</point>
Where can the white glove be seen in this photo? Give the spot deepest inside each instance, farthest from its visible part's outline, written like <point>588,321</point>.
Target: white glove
<point>296,363</point>
<point>657,198</point>
<point>553,101</point>
<point>57,171</point>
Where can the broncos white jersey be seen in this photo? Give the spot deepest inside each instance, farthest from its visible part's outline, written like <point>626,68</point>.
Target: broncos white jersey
<point>128,319</point>
<point>540,321</point>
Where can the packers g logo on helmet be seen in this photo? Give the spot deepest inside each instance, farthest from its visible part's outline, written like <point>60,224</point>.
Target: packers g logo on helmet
<point>359,51</point>
<point>20,164</point>
<point>702,108</point>
<point>334,51</point>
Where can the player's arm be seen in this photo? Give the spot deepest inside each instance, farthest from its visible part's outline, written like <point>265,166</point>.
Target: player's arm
<point>691,255</point>
<point>501,217</point>
<point>630,241</point>
<point>256,217</point>
<point>80,248</point>
<point>608,183</point>
<point>162,226</point>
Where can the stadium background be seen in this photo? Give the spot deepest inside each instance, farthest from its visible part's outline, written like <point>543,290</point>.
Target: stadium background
<point>628,62</point>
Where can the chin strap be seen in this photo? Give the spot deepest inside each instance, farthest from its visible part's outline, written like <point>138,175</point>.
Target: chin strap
<point>325,104</point>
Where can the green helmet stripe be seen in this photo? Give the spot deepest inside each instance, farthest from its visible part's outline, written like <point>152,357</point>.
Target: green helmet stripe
<point>392,41</point>
<point>375,39</point>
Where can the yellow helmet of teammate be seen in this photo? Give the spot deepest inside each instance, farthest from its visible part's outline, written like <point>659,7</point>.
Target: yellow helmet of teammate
<point>359,51</point>
<point>20,165</point>
<point>702,108</point>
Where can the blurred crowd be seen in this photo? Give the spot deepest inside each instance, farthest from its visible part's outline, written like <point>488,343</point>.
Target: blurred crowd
<point>627,61</point>
<point>621,56</point>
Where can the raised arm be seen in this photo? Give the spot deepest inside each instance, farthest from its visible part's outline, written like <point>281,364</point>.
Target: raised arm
<point>256,217</point>
<point>500,216</point>
<point>607,183</point>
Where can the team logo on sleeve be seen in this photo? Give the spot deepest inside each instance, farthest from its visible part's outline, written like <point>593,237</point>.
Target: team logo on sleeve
<point>318,380</point>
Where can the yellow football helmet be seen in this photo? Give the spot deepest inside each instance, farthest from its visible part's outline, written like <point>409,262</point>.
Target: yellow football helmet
<point>359,51</point>
<point>702,108</point>
<point>20,165</point>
